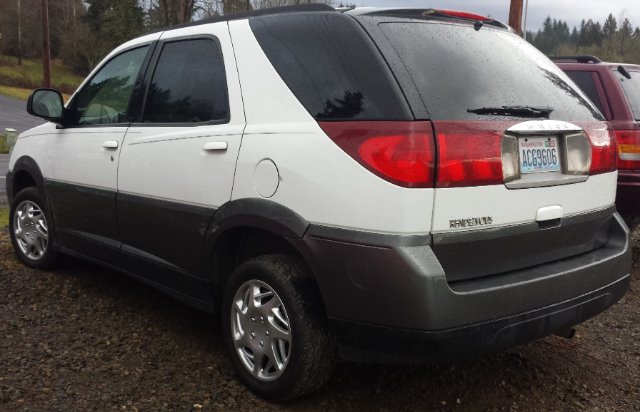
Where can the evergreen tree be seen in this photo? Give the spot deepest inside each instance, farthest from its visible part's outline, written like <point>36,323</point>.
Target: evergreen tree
<point>610,26</point>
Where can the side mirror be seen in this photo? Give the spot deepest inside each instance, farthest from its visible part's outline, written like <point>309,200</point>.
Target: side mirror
<point>46,103</point>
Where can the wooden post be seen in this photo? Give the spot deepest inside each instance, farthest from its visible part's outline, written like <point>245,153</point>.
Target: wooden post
<point>19,34</point>
<point>46,52</point>
<point>515,16</point>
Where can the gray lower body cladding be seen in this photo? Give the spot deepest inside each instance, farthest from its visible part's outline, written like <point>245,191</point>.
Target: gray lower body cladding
<point>382,284</point>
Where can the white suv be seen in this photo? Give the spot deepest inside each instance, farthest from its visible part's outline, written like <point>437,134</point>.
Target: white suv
<point>394,185</point>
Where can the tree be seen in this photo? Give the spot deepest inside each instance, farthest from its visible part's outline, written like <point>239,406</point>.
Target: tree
<point>610,26</point>
<point>110,23</point>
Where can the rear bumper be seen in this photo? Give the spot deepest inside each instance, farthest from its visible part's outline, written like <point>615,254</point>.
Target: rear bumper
<point>628,194</point>
<point>390,298</point>
<point>363,342</point>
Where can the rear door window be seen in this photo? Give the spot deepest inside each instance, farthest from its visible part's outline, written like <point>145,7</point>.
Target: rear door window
<point>587,82</point>
<point>457,68</point>
<point>188,85</point>
<point>632,90</point>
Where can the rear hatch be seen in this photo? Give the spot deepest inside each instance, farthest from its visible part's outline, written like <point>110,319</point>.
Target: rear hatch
<point>525,166</point>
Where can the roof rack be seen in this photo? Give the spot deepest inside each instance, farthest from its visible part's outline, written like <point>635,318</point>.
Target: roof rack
<point>577,59</point>
<point>313,7</point>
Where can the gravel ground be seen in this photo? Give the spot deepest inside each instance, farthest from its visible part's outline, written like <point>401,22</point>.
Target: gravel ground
<point>86,338</point>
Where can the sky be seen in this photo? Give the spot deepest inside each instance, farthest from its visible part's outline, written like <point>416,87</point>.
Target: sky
<point>571,11</point>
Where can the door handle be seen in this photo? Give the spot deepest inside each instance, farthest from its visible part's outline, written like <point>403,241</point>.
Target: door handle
<point>110,144</point>
<point>211,146</point>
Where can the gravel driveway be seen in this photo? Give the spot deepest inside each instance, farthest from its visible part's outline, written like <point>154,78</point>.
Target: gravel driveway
<point>84,338</point>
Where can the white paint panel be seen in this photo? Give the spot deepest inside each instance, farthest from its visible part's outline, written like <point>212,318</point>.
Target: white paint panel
<point>511,207</point>
<point>171,163</point>
<point>318,180</point>
<point>77,156</point>
<point>33,143</point>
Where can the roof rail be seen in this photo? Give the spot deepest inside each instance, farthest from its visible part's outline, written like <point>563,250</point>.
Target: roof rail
<point>578,59</point>
<point>313,7</point>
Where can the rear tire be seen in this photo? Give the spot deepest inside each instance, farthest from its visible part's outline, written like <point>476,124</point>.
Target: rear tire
<point>274,328</point>
<point>30,226</point>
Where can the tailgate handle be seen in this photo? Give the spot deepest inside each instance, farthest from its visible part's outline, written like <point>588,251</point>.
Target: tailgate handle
<point>549,213</point>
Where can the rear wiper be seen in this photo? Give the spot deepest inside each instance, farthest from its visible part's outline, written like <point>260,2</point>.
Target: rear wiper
<point>519,111</point>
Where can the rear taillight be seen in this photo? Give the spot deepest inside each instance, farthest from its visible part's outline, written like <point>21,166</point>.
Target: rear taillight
<point>400,152</point>
<point>469,153</point>
<point>628,149</point>
<point>603,151</point>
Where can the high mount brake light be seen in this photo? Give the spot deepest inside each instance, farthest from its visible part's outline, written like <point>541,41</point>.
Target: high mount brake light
<point>402,153</point>
<point>463,15</point>
<point>628,149</point>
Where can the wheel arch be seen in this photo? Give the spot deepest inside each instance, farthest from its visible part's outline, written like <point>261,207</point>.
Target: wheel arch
<point>26,173</point>
<point>246,228</point>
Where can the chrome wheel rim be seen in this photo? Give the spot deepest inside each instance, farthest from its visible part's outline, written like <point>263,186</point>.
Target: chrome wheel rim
<point>260,330</point>
<point>30,230</point>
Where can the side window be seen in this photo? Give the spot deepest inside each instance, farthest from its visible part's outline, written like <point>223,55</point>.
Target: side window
<point>586,82</point>
<point>104,99</point>
<point>188,85</point>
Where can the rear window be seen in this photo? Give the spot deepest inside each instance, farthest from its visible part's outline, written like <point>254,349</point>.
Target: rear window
<point>457,68</point>
<point>632,90</point>
<point>331,66</point>
<point>586,82</point>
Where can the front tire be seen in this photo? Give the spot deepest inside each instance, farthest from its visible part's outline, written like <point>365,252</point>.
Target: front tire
<point>274,328</point>
<point>30,229</point>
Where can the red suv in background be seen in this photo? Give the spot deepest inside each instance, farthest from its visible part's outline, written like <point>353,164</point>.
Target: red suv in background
<point>615,89</point>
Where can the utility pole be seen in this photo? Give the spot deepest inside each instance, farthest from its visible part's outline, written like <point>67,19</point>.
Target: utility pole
<point>19,35</point>
<point>75,41</point>
<point>46,52</point>
<point>515,16</point>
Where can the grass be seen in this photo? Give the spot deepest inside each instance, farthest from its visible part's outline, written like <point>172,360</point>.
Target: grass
<point>4,217</point>
<point>17,92</point>
<point>4,148</point>
<point>16,80</point>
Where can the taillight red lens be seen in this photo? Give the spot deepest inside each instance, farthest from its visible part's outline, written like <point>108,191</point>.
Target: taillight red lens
<point>628,149</point>
<point>400,152</point>
<point>469,153</point>
<point>603,151</point>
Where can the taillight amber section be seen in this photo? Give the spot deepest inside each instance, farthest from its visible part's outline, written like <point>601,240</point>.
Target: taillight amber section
<point>628,149</point>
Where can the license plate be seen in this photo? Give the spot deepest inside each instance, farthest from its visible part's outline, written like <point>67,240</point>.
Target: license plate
<point>539,154</point>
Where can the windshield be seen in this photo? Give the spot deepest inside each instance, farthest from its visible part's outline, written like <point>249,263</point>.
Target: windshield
<point>632,90</point>
<point>459,70</point>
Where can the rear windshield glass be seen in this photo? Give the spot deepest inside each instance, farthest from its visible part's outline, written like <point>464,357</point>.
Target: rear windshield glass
<point>632,90</point>
<point>457,68</point>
